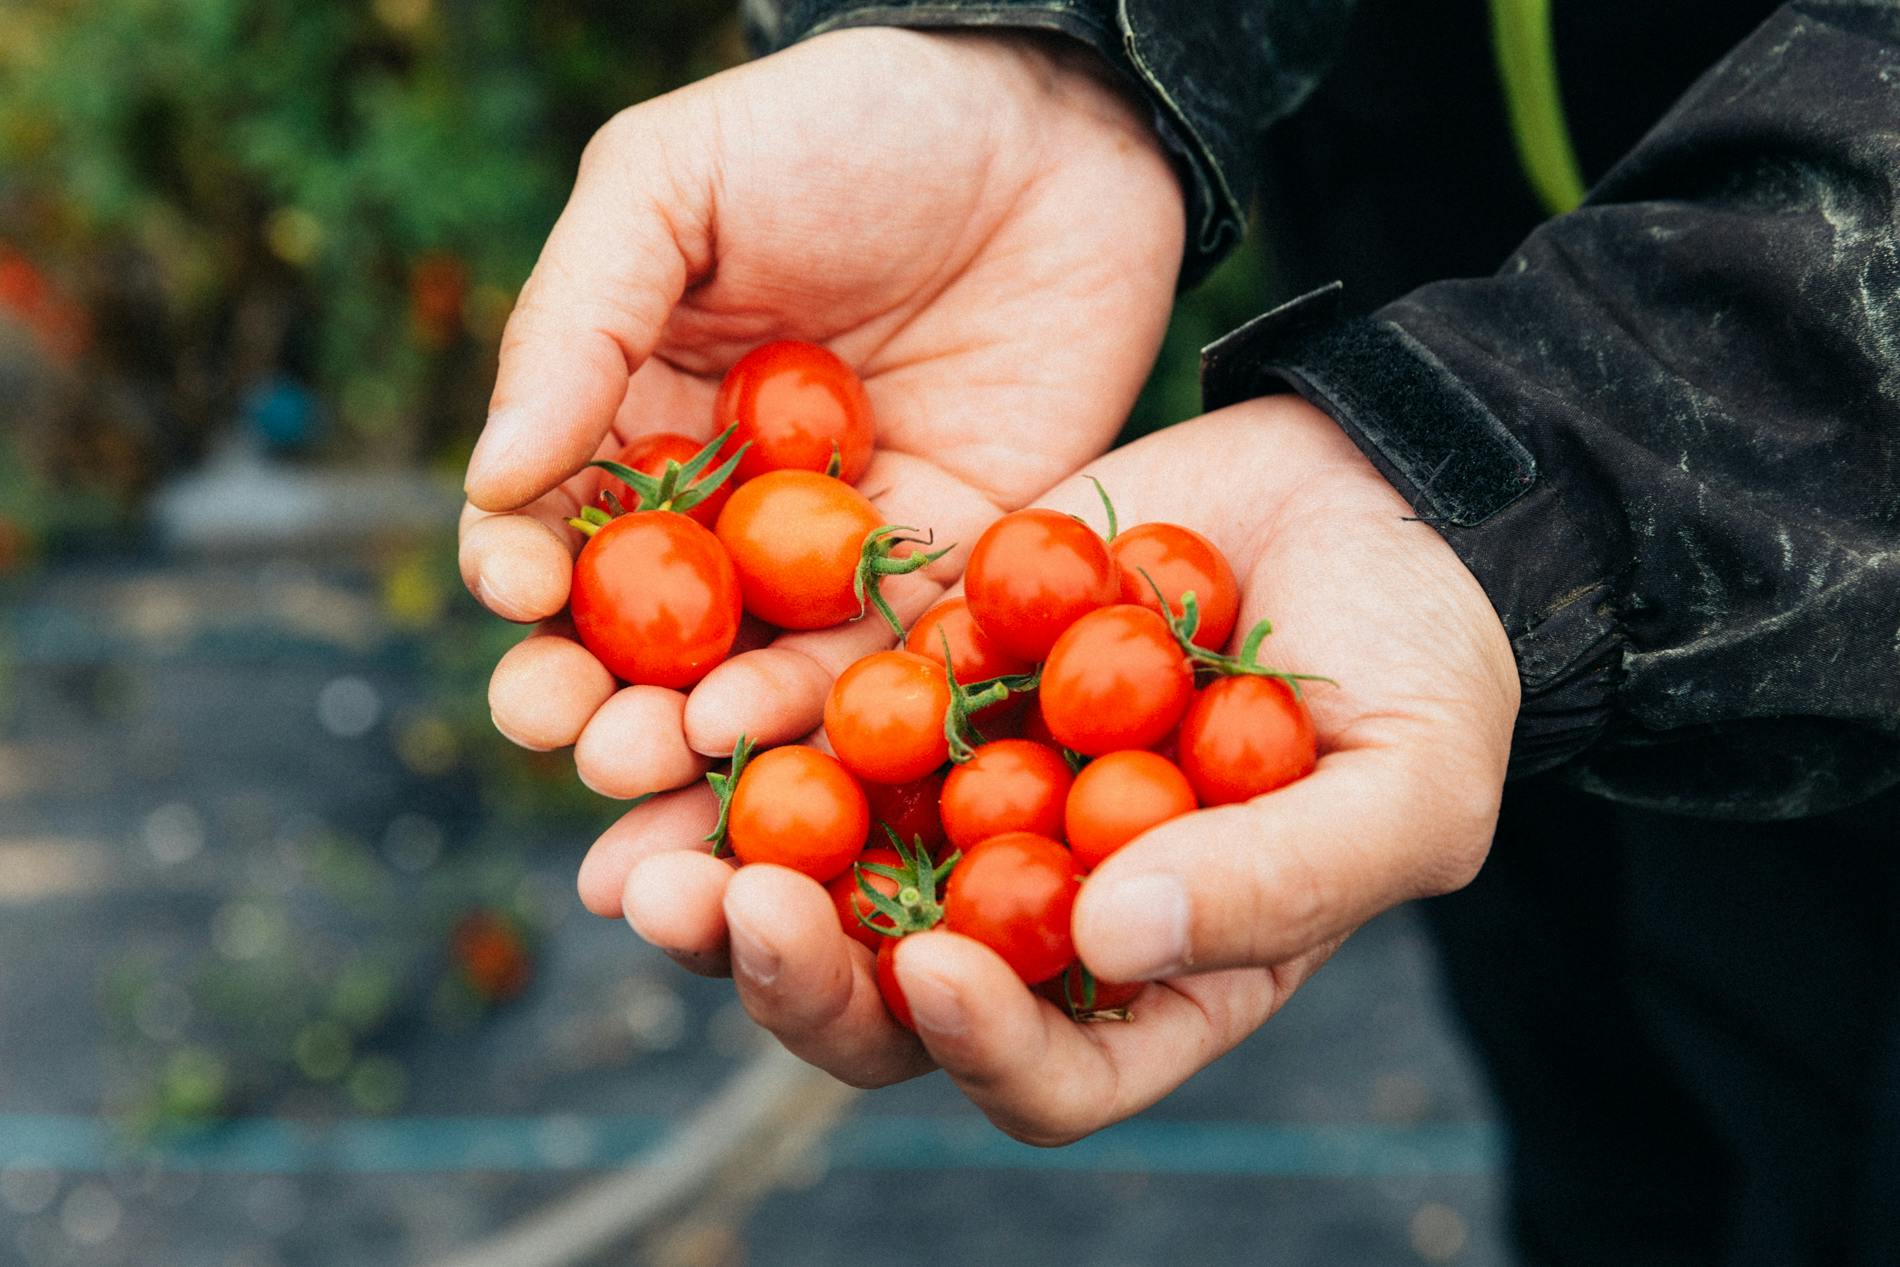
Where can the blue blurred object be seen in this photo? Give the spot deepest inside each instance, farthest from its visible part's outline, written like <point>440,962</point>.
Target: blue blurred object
<point>283,413</point>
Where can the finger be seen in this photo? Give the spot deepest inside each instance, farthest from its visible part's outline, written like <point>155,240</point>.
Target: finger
<point>634,745</point>
<point>544,690</point>
<point>635,231</point>
<point>520,565</point>
<point>803,979</point>
<point>674,900</point>
<point>1262,882</point>
<point>1042,1077</point>
<point>671,823</point>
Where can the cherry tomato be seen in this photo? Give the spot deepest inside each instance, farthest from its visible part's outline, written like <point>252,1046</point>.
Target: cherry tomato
<point>1246,735</point>
<point>655,598</point>
<point>799,808</point>
<point>1115,679</point>
<point>1178,559</point>
<point>1014,893</point>
<point>793,402</point>
<point>1117,797</point>
<point>973,657</point>
<point>649,455</point>
<point>850,900</point>
<point>909,809</point>
<point>1032,574</point>
<point>887,986</point>
<point>1069,992</point>
<point>884,717</point>
<point>795,538</point>
<point>1009,785</point>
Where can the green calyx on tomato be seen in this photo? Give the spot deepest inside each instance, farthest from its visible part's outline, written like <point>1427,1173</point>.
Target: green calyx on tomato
<point>1087,1001</point>
<point>915,906</point>
<point>876,561</point>
<point>679,487</point>
<point>722,786</point>
<point>965,701</point>
<point>1247,663</point>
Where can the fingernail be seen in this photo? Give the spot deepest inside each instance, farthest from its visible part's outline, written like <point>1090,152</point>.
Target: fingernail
<point>752,958</point>
<point>503,438</point>
<point>494,596</point>
<point>1149,916</point>
<point>936,1006</point>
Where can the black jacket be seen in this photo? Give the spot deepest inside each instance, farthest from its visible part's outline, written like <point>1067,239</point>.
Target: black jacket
<point>1664,435</point>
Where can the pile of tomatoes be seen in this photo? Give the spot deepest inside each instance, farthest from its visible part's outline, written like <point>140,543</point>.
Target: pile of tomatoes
<point>685,539</point>
<point>1072,698</point>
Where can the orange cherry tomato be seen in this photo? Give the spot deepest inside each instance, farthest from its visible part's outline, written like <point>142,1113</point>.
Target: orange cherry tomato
<point>649,455</point>
<point>793,402</point>
<point>909,809</point>
<point>1115,679</point>
<point>655,598</point>
<point>1009,785</point>
<point>1031,575</point>
<point>1178,559</point>
<point>799,808</point>
<point>1117,797</point>
<point>795,538</point>
<point>884,717</point>
<point>1244,736</point>
<point>973,657</point>
<point>851,902</point>
<point>1014,893</point>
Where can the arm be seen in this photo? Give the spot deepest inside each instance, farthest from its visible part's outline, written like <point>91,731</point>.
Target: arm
<point>1666,435</point>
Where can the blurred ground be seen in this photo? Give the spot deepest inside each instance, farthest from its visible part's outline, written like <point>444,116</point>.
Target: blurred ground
<point>232,867</point>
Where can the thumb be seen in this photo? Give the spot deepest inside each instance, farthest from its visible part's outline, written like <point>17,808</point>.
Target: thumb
<point>1259,883</point>
<point>636,229</point>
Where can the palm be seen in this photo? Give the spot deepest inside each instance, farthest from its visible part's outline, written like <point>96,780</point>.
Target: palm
<point>999,273</point>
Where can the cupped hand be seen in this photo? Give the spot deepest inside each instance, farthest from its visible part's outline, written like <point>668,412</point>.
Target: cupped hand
<point>1228,910</point>
<point>981,225</point>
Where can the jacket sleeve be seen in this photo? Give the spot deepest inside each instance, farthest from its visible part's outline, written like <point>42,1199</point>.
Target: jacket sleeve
<point>1215,72</point>
<point>1665,436</point>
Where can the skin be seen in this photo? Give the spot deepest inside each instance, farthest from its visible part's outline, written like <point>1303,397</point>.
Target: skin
<point>836,192</point>
<point>1231,908</point>
<point>1036,193</point>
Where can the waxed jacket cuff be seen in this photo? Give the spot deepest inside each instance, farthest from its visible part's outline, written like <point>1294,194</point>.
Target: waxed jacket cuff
<point>1212,159</point>
<point>1469,477</point>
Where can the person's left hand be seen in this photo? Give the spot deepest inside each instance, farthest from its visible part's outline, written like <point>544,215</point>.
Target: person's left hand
<point>1230,909</point>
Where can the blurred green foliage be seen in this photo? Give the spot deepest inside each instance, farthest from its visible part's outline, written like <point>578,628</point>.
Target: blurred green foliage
<point>348,194</point>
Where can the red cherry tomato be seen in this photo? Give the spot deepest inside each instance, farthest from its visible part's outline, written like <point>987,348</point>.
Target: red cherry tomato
<point>1070,992</point>
<point>793,402</point>
<point>1014,893</point>
<point>1246,735</point>
<point>850,900</point>
<point>799,808</point>
<point>655,599</point>
<point>1117,797</point>
<point>649,455</point>
<point>1178,559</point>
<point>893,993</point>
<point>1115,679</point>
<point>1032,574</point>
<point>1009,785</point>
<point>909,809</point>
<point>795,538</point>
<point>884,717</point>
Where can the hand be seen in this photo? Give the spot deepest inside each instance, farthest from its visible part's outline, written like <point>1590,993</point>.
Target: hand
<point>980,224</point>
<point>1231,909</point>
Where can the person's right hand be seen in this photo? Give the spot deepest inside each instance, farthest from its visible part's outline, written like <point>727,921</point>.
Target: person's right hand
<point>979,224</point>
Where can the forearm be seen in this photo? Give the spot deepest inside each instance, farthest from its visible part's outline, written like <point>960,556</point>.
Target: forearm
<point>1666,435</point>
